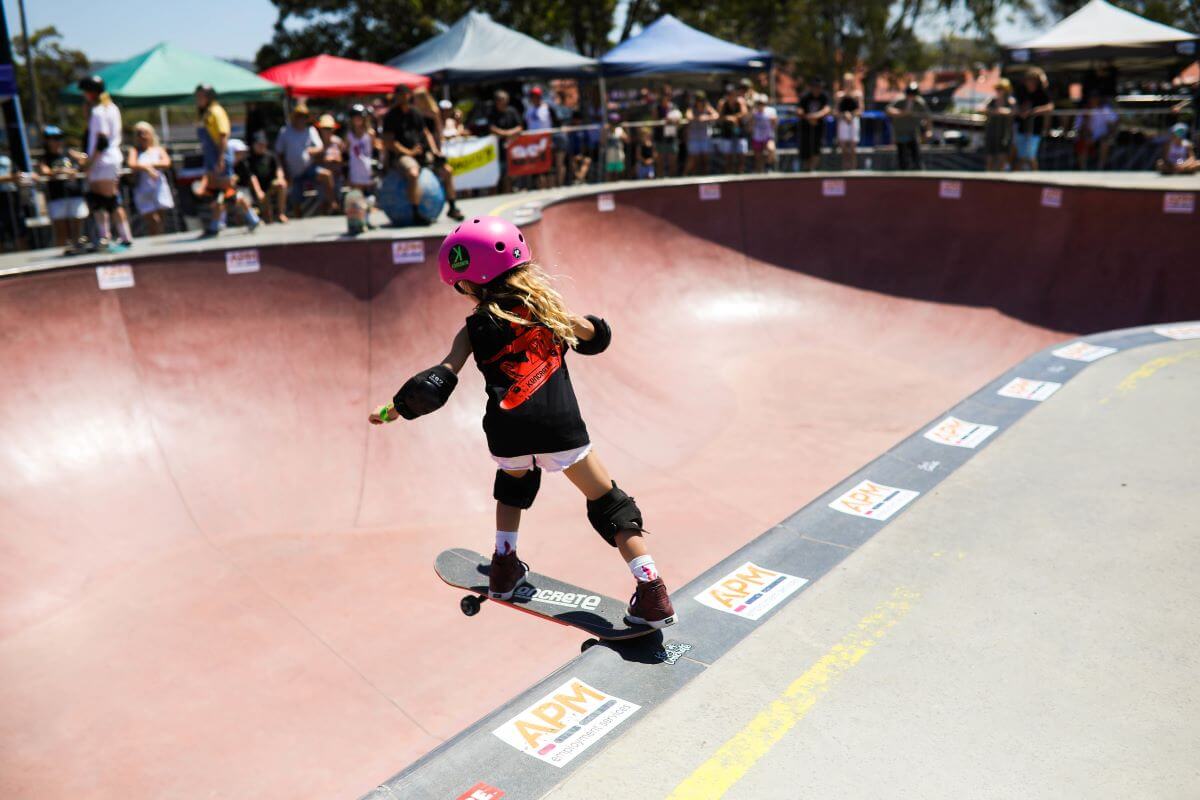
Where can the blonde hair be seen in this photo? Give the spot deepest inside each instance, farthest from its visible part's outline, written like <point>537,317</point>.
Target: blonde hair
<point>425,103</point>
<point>146,126</point>
<point>531,287</point>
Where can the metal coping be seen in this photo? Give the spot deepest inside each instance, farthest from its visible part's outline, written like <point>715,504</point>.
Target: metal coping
<point>622,679</point>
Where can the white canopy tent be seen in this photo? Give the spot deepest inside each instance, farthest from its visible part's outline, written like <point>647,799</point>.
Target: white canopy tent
<point>1100,32</point>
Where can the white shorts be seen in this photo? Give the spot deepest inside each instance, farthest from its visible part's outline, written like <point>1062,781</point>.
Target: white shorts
<point>106,167</point>
<point>68,208</point>
<point>550,462</point>
<point>847,131</point>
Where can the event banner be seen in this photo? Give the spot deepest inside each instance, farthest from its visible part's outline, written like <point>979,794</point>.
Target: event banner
<point>476,162</point>
<point>530,154</point>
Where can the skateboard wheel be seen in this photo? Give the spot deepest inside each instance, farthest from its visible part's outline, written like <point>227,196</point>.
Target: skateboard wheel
<point>588,644</point>
<point>469,605</point>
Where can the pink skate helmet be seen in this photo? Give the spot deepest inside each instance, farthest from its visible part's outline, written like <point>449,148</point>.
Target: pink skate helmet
<point>482,249</point>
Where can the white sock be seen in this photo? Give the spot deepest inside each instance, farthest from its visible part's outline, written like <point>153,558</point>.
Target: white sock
<point>643,568</point>
<point>506,542</point>
<point>123,227</point>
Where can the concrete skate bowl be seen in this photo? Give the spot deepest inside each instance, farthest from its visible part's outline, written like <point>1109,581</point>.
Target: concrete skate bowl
<point>217,577</point>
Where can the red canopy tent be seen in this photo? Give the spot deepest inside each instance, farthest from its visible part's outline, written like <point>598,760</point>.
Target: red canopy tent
<point>330,76</point>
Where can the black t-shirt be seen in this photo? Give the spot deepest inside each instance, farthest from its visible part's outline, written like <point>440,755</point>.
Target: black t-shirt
<point>848,103</point>
<point>1027,100</point>
<point>504,120</point>
<point>811,103</point>
<point>264,167</point>
<point>531,405</point>
<point>645,151</point>
<point>62,188</point>
<point>407,127</point>
<point>727,129</point>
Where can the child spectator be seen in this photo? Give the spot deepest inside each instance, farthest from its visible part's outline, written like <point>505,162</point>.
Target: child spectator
<point>645,154</point>
<point>910,122</point>
<point>435,157</point>
<point>213,132</point>
<point>64,189</point>
<point>614,150</point>
<point>700,118</point>
<point>998,130</point>
<point>813,107</point>
<point>331,159</point>
<point>260,179</point>
<point>244,196</point>
<point>149,162</point>
<point>762,141</point>
<point>1179,157</point>
<point>731,139</point>
<point>581,149</point>
<point>503,123</point>
<point>849,115</point>
<point>102,160</point>
<point>261,172</point>
<point>666,136</point>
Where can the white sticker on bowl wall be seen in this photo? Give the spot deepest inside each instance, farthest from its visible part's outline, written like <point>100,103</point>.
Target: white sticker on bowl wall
<point>605,202</point>
<point>833,187</point>
<point>241,261</point>
<point>408,251</point>
<point>115,276</point>
<point>710,191</point>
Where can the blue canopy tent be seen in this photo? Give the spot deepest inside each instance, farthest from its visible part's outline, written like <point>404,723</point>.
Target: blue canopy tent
<point>476,48</point>
<point>668,45</point>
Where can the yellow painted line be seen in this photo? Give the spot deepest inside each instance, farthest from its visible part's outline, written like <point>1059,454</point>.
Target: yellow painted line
<point>712,779</point>
<point>1147,370</point>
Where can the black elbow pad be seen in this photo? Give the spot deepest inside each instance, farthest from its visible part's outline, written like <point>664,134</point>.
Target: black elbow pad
<point>599,342</point>
<point>425,392</point>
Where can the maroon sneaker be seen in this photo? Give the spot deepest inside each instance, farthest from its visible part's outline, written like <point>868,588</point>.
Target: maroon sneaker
<point>506,574</point>
<point>650,605</point>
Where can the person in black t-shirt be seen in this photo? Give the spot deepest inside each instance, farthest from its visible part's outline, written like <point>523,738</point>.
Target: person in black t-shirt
<point>1034,105</point>
<point>261,174</point>
<point>504,123</point>
<point>64,188</point>
<point>812,109</point>
<point>405,142</point>
<point>519,333</point>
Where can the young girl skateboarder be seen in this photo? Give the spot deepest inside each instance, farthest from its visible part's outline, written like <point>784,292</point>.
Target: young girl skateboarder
<point>519,334</point>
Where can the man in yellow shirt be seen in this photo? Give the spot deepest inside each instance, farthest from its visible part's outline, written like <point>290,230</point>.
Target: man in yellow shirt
<point>213,132</point>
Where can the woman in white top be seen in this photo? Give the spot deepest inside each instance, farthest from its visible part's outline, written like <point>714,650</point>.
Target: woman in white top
<point>849,107</point>
<point>149,161</point>
<point>103,163</point>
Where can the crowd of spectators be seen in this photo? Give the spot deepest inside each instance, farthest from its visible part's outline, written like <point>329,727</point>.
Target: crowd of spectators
<point>314,160</point>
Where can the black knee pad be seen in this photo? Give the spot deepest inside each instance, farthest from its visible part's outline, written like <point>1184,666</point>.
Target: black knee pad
<point>613,513</point>
<point>517,492</point>
<point>93,200</point>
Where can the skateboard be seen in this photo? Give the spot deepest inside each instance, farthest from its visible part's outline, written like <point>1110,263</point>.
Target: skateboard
<point>542,596</point>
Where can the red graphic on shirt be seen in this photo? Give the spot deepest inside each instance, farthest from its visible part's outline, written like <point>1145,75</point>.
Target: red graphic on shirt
<point>529,359</point>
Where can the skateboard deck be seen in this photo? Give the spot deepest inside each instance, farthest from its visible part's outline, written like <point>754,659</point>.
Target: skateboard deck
<point>540,595</point>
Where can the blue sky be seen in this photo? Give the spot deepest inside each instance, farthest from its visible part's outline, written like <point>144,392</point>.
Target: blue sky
<point>113,30</point>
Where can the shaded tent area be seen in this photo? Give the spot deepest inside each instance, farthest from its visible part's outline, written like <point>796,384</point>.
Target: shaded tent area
<point>670,46</point>
<point>477,48</point>
<point>331,76</point>
<point>167,75</point>
<point>1100,33</point>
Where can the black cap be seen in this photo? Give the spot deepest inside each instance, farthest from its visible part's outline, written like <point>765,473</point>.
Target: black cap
<point>359,110</point>
<point>206,88</point>
<point>912,88</point>
<point>92,83</point>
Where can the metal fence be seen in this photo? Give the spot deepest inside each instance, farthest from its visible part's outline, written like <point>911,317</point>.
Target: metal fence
<point>1134,141</point>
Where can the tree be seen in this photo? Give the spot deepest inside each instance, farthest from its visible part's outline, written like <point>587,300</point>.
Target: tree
<point>57,68</point>
<point>379,30</point>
